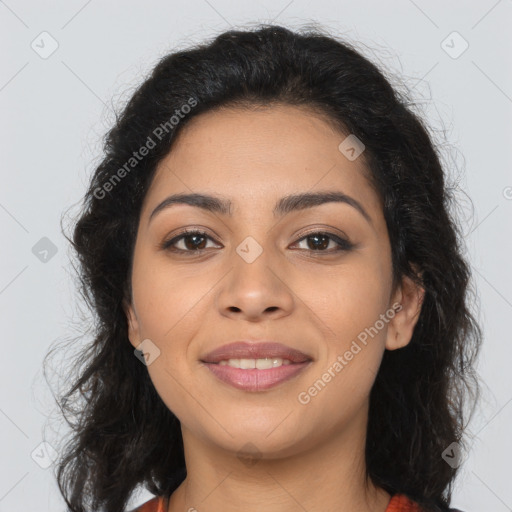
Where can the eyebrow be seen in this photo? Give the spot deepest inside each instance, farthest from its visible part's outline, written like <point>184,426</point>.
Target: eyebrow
<point>284,205</point>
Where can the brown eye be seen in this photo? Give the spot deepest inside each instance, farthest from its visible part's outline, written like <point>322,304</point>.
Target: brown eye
<point>320,241</point>
<point>191,242</point>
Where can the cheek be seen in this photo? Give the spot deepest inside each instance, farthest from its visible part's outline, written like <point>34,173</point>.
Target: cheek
<point>357,300</point>
<point>349,303</point>
<point>170,310</point>
<point>349,314</point>
<point>346,299</point>
<point>168,314</point>
<point>167,299</point>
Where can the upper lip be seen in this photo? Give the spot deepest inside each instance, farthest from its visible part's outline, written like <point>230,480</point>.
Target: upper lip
<point>251,350</point>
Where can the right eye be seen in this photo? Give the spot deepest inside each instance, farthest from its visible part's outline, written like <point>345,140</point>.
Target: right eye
<point>193,242</point>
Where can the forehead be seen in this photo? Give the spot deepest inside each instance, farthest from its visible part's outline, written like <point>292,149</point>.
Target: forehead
<point>262,154</point>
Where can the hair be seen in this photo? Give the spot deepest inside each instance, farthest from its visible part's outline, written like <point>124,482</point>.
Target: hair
<point>124,435</point>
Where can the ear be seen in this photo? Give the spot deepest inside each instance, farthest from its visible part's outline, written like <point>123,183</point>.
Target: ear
<point>406,301</point>
<point>133,324</point>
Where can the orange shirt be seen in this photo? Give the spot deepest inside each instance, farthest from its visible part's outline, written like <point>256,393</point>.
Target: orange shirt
<point>398,503</point>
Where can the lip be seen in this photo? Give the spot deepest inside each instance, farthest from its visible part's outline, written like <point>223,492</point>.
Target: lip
<point>254,379</point>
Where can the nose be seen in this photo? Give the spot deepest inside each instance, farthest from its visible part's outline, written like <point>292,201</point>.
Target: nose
<point>255,291</point>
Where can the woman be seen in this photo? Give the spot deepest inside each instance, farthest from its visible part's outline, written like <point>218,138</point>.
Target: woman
<point>281,301</point>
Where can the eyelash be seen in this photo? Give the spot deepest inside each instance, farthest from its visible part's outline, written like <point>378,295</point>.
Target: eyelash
<point>344,245</point>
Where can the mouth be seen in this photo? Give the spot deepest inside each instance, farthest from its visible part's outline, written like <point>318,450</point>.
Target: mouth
<point>255,366</point>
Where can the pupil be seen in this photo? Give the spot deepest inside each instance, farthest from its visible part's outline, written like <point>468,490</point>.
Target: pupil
<point>194,245</point>
<point>322,246</point>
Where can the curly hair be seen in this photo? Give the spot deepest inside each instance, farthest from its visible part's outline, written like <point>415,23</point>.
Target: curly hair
<point>123,435</point>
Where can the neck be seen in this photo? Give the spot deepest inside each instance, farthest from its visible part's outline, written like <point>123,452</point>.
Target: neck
<point>327,476</point>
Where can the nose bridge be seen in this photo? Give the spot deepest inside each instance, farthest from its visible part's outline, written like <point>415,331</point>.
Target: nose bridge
<point>252,262</point>
<point>254,286</point>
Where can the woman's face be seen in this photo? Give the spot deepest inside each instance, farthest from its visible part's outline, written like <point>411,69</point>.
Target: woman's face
<point>315,276</point>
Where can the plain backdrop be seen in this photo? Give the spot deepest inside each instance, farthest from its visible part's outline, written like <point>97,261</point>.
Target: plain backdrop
<point>66,64</point>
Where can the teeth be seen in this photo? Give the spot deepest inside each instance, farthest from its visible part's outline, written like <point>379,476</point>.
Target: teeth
<point>260,364</point>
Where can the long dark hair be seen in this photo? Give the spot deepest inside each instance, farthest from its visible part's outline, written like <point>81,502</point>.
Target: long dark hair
<point>123,435</point>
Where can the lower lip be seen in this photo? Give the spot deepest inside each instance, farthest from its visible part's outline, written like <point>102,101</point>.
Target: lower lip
<point>254,379</point>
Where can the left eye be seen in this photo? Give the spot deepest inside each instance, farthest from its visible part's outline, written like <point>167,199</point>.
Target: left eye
<point>196,241</point>
<point>321,240</point>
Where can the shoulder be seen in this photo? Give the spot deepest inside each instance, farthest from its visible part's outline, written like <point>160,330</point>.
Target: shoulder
<point>156,504</point>
<point>401,503</point>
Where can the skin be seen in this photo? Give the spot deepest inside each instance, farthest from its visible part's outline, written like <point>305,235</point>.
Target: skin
<point>309,456</point>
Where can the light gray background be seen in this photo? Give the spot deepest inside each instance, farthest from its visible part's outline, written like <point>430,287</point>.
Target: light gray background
<point>54,112</point>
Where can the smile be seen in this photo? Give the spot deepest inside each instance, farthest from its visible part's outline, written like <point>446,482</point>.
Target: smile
<point>260,364</point>
<point>255,366</point>
<point>256,374</point>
